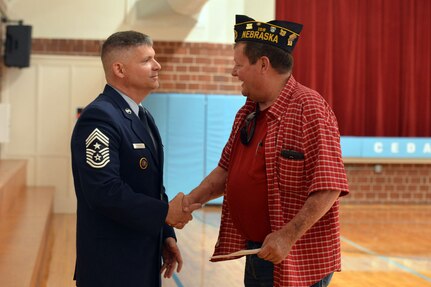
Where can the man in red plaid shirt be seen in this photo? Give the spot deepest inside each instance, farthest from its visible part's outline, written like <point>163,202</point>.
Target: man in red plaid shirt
<point>281,171</point>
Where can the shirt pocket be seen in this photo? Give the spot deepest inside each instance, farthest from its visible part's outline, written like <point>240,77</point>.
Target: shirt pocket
<point>290,170</point>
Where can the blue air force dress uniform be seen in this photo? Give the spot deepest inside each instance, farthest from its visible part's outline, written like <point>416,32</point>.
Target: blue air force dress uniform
<point>122,205</point>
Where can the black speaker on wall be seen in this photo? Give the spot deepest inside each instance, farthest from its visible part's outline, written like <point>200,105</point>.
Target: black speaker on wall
<point>18,46</point>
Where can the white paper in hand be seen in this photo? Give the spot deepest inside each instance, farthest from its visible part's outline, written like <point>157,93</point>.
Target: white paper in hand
<point>237,253</point>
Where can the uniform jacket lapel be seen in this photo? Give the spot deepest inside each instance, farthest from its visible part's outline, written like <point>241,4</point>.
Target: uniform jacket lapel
<point>136,124</point>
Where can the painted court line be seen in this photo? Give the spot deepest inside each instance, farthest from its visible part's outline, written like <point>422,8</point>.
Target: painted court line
<point>177,280</point>
<point>387,259</point>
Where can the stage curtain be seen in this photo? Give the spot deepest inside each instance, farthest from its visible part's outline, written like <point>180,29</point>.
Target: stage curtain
<point>370,59</point>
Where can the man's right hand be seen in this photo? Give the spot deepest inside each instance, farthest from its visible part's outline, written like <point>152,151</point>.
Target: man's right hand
<point>180,211</point>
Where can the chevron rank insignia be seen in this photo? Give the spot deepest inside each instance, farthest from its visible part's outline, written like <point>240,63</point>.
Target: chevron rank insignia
<point>97,149</point>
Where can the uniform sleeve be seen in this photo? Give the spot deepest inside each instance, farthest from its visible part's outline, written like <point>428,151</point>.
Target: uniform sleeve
<point>96,160</point>
<point>168,231</point>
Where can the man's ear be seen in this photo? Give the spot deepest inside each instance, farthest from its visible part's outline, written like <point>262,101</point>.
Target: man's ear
<point>265,64</point>
<point>118,69</point>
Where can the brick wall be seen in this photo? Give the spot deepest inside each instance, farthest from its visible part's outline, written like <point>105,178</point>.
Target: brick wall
<point>205,68</point>
<point>186,67</point>
<point>389,183</point>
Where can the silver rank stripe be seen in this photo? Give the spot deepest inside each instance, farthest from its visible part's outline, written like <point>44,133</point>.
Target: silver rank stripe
<point>97,149</point>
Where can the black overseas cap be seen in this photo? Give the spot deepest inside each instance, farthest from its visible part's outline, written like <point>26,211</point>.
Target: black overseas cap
<point>281,34</point>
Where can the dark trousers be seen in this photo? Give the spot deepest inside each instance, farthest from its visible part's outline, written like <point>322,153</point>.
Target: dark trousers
<point>259,272</point>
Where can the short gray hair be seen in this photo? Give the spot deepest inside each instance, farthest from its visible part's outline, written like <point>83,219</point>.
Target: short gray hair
<point>124,40</point>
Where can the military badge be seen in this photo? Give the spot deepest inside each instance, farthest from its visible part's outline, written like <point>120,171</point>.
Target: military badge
<point>97,149</point>
<point>143,163</point>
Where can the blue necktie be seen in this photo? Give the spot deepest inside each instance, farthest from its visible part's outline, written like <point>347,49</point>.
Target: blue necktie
<point>144,119</point>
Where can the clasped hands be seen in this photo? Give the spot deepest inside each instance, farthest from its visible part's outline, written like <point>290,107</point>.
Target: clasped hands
<point>180,211</point>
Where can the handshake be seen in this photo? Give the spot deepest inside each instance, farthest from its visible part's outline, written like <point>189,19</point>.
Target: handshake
<point>180,210</point>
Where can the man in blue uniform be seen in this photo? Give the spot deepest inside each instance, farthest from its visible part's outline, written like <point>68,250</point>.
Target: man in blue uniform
<point>124,221</point>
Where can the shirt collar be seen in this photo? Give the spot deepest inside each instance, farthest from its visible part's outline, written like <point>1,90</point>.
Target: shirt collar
<point>280,104</point>
<point>277,108</point>
<point>132,104</point>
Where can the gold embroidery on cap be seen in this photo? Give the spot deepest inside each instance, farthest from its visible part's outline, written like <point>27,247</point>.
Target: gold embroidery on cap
<point>291,38</point>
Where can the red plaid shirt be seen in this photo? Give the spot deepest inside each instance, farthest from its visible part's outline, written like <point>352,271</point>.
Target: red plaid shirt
<point>299,120</point>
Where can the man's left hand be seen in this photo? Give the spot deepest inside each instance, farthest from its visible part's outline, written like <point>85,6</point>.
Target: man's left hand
<point>171,257</point>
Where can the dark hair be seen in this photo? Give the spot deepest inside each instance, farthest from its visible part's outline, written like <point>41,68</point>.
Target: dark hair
<point>281,61</point>
<point>124,40</point>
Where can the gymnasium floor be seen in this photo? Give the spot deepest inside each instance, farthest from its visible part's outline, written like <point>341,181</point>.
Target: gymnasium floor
<point>382,245</point>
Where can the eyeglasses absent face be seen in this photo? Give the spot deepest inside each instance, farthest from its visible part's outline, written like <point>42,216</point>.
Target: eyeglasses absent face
<point>247,130</point>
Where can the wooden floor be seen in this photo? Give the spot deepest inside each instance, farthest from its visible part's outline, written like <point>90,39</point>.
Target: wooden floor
<point>384,246</point>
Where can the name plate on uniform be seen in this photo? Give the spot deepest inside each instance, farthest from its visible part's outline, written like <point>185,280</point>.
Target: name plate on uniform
<point>138,145</point>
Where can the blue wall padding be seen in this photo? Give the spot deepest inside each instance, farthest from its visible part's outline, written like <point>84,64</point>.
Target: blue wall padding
<point>194,130</point>
<point>220,115</point>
